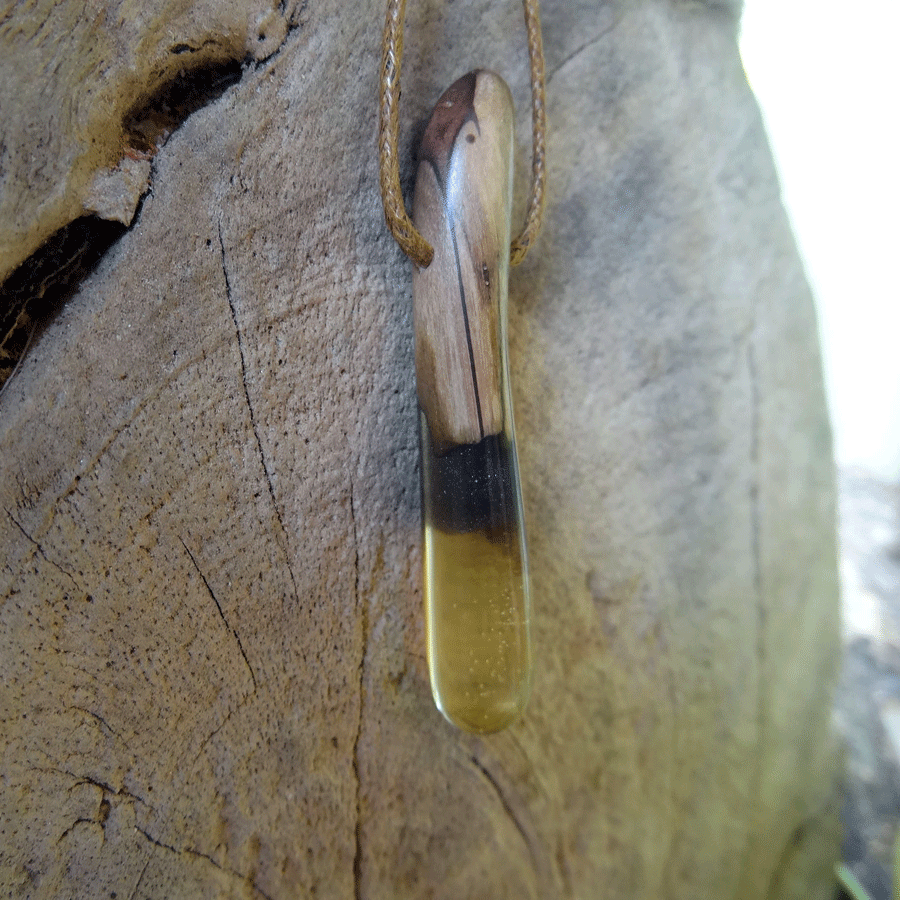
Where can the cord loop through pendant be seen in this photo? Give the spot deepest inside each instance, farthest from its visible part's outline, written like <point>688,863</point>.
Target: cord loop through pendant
<point>401,227</point>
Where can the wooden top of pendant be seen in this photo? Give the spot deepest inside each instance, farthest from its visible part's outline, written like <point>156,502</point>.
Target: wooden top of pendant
<point>462,208</point>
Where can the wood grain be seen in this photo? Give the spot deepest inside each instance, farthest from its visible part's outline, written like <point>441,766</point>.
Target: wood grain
<point>462,207</point>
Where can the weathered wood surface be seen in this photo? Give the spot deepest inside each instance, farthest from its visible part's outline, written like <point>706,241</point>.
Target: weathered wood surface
<point>211,648</point>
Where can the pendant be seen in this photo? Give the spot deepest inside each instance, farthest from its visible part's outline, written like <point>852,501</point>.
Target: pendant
<point>475,563</point>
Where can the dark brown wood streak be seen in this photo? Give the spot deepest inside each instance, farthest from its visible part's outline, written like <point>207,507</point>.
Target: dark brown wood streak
<point>455,107</point>
<point>465,313</point>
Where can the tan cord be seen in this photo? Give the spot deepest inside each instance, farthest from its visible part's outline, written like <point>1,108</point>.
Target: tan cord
<point>405,234</point>
<point>522,244</point>
<point>401,227</point>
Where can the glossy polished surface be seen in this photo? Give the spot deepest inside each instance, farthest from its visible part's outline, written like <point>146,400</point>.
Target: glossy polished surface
<point>476,584</point>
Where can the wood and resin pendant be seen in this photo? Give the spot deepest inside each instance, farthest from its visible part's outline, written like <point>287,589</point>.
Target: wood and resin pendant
<point>475,562</point>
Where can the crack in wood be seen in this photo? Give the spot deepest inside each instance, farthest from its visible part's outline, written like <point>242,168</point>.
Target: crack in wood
<point>103,786</point>
<point>253,422</point>
<point>137,884</point>
<point>510,812</point>
<point>43,555</point>
<point>104,807</point>
<point>98,718</point>
<point>219,727</point>
<point>153,119</point>
<point>40,285</point>
<point>199,854</point>
<point>364,628</point>
<point>582,48</point>
<point>83,821</point>
<point>221,613</point>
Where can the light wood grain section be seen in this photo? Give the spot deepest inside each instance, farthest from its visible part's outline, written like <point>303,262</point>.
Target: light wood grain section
<point>462,207</point>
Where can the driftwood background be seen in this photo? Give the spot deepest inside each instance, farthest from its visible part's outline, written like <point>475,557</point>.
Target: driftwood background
<point>211,642</point>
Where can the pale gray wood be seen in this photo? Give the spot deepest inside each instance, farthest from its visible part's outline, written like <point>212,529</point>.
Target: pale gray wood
<point>213,680</point>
